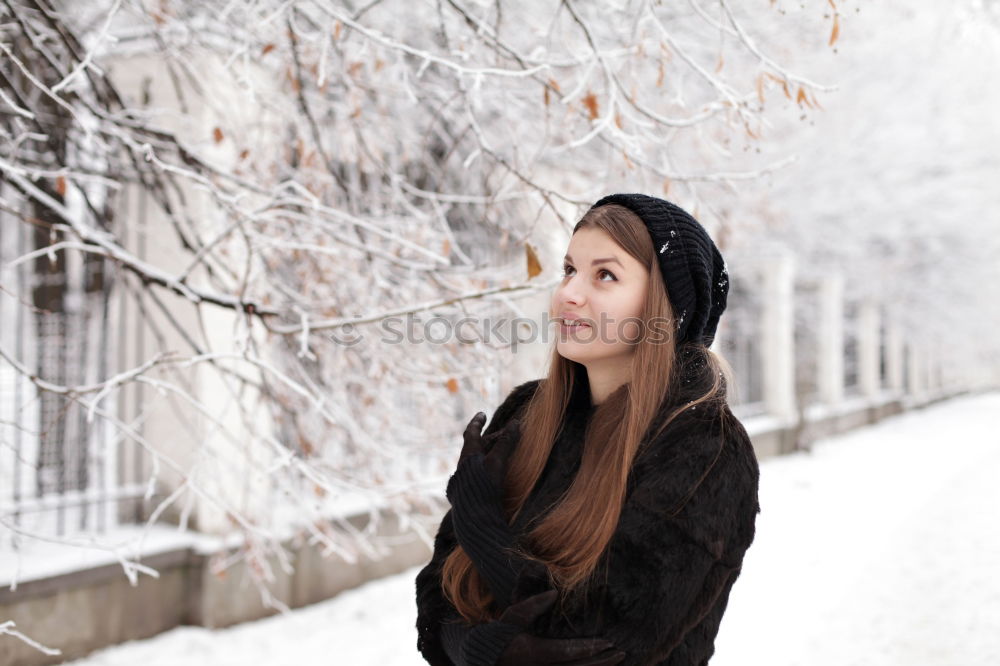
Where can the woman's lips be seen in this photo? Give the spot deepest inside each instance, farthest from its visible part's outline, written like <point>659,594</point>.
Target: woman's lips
<point>565,327</point>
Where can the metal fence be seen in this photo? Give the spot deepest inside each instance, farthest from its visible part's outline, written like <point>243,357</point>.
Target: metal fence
<point>61,321</point>
<point>851,362</point>
<point>739,345</point>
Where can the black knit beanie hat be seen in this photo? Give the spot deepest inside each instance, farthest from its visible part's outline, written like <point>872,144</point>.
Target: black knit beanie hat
<point>693,269</point>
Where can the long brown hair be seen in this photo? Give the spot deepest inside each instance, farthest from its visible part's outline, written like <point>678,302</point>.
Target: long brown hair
<point>571,538</point>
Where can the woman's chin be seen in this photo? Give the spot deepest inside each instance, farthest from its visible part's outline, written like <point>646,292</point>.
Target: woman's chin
<point>594,353</point>
<point>571,351</point>
<point>581,352</point>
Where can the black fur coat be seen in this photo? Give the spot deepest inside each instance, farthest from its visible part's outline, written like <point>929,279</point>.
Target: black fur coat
<point>669,572</point>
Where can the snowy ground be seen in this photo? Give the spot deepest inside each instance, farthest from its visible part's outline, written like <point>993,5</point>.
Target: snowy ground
<point>880,547</point>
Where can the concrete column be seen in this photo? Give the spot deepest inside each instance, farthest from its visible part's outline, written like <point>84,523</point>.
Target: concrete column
<point>915,366</point>
<point>949,373</point>
<point>868,349</point>
<point>777,335</point>
<point>720,334</point>
<point>830,361</point>
<point>933,369</point>
<point>929,369</point>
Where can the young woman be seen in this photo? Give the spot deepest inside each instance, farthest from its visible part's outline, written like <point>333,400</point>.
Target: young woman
<point>603,515</point>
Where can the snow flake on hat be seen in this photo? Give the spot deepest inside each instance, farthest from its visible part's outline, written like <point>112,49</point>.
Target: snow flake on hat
<point>665,246</point>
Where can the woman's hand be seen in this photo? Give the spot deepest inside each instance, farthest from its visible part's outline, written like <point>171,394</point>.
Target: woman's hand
<point>495,462</point>
<point>529,650</point>
<point>475,492</point>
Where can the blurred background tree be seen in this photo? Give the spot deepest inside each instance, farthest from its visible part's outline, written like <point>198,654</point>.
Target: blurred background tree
<point>269,189</point>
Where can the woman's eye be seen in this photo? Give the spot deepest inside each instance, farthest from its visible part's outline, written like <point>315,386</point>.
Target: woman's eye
<point>569,270</point>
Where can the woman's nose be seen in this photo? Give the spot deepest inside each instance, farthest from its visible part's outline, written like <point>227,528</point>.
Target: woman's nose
<point>572,293</point>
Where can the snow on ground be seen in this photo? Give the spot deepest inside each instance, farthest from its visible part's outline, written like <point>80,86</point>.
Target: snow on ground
<point>879,547</point>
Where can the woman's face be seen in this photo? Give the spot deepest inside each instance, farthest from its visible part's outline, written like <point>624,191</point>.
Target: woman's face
<point>605,287</point>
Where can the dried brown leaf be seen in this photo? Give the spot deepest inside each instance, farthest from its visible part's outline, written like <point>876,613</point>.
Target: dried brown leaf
<point>534,265</point>
<point>590,101</point>
<point>801,97</point>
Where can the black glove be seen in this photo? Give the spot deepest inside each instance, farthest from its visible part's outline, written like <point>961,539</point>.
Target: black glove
<point>495,462</point>
<point>475,491</point>
<point>525,649</point>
